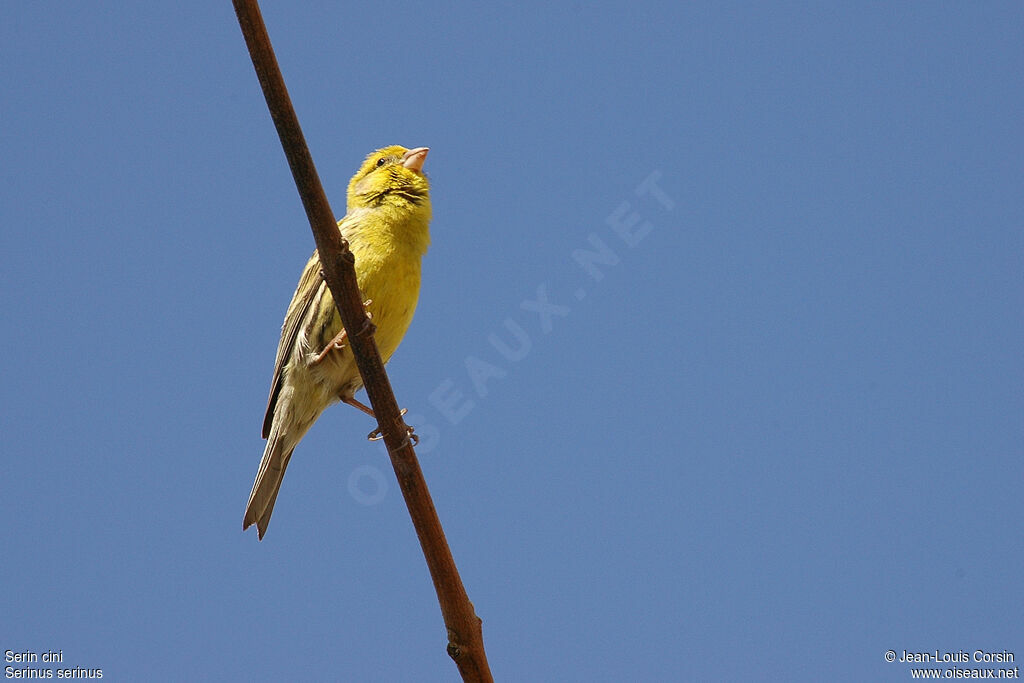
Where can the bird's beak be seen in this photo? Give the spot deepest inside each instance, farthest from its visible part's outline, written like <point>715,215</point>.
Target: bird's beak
<point>414,158</point>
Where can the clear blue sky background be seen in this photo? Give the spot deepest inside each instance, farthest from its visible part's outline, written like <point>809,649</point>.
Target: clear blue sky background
<point>779,436</point>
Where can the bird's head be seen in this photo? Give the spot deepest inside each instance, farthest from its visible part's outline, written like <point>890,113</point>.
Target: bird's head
<point>392,176</point>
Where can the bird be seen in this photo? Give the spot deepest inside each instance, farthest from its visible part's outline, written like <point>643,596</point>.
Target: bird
<point>386,224</point>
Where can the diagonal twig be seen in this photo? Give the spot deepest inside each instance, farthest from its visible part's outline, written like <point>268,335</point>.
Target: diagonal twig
<point>465,636</point>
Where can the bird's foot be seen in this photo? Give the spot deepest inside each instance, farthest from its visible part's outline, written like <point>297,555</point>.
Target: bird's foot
<point>334,345</point>
<point>375,435</point>
<point>337,344</point>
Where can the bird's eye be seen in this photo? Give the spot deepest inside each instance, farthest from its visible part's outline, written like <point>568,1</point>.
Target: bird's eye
<point>381,162</point>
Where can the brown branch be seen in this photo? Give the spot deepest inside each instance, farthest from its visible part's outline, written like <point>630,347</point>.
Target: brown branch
<point>465,637</point>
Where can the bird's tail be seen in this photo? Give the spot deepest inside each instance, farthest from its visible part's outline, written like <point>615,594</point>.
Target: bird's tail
<point>268,481</point>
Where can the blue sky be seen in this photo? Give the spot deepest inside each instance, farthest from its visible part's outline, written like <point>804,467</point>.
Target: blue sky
<point>775,433</point>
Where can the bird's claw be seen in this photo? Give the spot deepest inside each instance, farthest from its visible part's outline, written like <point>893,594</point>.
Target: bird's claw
<point>376,435</point>
<point>336,343</point>
<point>333,345</point>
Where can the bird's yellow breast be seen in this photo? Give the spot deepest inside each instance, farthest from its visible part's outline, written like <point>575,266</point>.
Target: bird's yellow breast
<point>388,248</point>
<point>390,280</point>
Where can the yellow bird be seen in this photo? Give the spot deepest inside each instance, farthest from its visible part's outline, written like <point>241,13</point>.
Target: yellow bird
<point>386,225</point>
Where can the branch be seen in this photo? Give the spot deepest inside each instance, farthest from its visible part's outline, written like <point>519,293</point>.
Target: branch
<point>465,637</point>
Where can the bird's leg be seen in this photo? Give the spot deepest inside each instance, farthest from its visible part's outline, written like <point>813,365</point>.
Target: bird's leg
<point>348,400</point>
<point>337,344</point>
